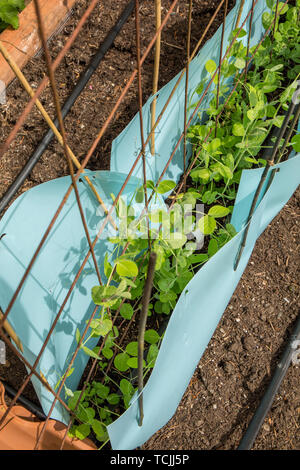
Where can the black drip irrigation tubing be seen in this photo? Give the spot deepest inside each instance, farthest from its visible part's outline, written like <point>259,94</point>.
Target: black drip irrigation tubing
<point>261,412</point>
<point>83,80</point>
<point>32,407</point>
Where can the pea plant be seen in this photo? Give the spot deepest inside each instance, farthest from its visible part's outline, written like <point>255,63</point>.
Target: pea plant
<point>225,140</point>
<point>9,13</point>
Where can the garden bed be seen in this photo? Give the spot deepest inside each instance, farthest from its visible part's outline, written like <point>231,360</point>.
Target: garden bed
<point>44,174</point>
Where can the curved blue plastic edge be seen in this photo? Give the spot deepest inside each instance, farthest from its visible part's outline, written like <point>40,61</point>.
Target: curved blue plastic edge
<point>198,312</point>
<point>46,287</point>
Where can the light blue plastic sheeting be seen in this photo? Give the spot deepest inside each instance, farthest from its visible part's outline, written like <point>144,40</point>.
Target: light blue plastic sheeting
<point>199,310</point>
<point>127,145</point>
<point>45,289</point>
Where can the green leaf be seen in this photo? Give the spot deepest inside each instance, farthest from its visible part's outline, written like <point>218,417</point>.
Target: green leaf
<point>101,327</point>
<point>126,267</point>
<point>99,429</point>
<point>229,161</point>
<point>9,13</point>
<point>237,34</point>
<point>225,171</point>
<point>120,362</point>
<point>139,197</point>
<point>105,295</point>
<point>126,387</point>
<point>19,4</point>
<point>211,66</point>
<point>77,335</point>
<point>132,348</point>
<point>165,186</point>
<point>150,184</point>
<point>212,247</point>
<point>282,8</point>
<point>158,307</point>
<point>231,230</point>
<point>213,145</point>
<point>113,399</point>
<point>218,211</point>
<point>266,20</point>
<point>252,114</point>
<point>202,174</point>
<point>126,311</point>
<point>238,129</point>
<point>127,390</point>
<point>68,391</point>
<point>200,258</point>
<point>85,414</point>
<point>209,197</point>
<point>207,225</point>
<point>296,142</point>
<point>151,336</point>
<point>107,353</point>
<point>165,284</point>
<point>177,240</point>
<point>72,402</point>
<point>152,355</point>
<point>82,431</point>
<point>90,352</point>
<point>240,63</point>
<point>133,363</point>
<point>167,296</point>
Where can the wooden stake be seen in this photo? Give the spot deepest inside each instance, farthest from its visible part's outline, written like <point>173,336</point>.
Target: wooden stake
<point>142,327</point>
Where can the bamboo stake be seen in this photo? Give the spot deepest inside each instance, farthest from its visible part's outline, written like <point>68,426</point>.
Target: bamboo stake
<point>286,141</point>
<point>19,74</point>
<point>187,68</point>
<point>142,326</point>
<point>270,163</point>
<point>11,332</point>
<point>239,14</point>
<point>156,71</point>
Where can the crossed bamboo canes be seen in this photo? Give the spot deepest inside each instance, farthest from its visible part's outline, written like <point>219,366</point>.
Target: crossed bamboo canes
<point>141,326</point>
<point>50,123</point>
<point>95,361</point>
<point>156,70</point>
<point>96,141</point>
<point>78,274</point>
<point>75,282</point>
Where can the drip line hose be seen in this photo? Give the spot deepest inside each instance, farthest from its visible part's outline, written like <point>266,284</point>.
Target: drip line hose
<point>32,407</point>
<point>250,435</point>
<point>83,80</point>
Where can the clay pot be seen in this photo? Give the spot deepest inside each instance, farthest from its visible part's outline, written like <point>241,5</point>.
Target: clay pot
<point>21,429</point>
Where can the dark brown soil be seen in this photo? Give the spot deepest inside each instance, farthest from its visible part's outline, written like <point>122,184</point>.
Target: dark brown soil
<point>242,354</point>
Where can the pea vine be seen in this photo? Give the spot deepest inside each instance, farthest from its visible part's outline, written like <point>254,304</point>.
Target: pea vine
<point>9,13</point>
<point>223,145</point>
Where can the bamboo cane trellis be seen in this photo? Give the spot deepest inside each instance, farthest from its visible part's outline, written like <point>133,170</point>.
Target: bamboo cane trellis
<point>71,158</point>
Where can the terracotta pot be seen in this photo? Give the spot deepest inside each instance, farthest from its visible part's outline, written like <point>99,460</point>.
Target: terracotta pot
<point>23,43</point>
<point>21,429</point>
